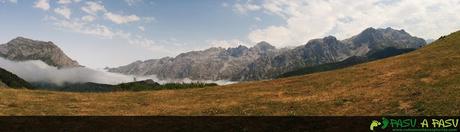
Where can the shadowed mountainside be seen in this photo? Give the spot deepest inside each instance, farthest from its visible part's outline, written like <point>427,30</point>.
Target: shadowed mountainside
<point>8,79</point>
<point>354,60</point>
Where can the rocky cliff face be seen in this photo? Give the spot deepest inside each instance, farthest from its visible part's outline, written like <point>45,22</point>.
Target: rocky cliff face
<point>264,61</point>
<point>317,51</point>
<point>21,49</point>
<point>378,39</point>
<point>329,50</point>
<point>210,64</point>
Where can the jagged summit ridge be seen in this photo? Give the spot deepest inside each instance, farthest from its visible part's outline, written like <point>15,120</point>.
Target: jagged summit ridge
<point>264,61</point>
<point>22,49</point>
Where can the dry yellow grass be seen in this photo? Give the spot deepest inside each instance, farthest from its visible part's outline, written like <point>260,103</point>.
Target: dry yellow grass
<point>424,82</point>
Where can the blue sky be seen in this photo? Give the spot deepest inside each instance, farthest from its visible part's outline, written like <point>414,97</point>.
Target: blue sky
<point>99,33</point>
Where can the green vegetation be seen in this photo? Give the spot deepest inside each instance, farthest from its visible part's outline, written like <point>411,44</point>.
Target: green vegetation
<point>150,85</point>
<point>146,85</point>
<point>186,85</point>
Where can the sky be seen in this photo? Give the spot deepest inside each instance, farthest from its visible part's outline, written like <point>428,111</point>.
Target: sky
<point>111,33</point>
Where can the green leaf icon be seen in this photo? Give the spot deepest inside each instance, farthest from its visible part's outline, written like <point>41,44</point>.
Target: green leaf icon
<point>385,122</point>
<point>374,124</point>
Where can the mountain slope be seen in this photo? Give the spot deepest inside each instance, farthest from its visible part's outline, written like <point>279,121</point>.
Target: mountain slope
<point>422,82</point>
<point>264,61</point>
<point>8,79</point>
<point>21,49</point>
<point>350,61</point>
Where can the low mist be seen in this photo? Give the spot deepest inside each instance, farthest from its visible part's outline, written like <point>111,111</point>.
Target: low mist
<point>37,71</point>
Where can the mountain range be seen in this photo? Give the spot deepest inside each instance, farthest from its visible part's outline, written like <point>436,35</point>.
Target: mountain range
<point>264,61</point>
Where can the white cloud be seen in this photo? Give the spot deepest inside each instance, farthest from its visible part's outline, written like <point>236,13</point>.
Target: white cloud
<point>227,43</point>
<point>64,2</point>
<point>84,28</point>
<point>64,11</point>
<point>9,1</point>
<point>86,25</point>
<point>148,19</point>
<point>93,8</point>
<point>133,2</point>
<point>42,4</point>
<point>88,18</point>
<point>28,70</point>
<point>104,32</point>
<point>308,19</point>
<point>120,19</point>
<point>244,8</point>
<point>144,42</point>
<point>224,4</point>
<point>165,47</point>
<point>257,19</point>
<point>141,28</point>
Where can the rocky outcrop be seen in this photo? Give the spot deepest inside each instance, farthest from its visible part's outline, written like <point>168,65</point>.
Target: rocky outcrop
<point>210,64</point>
<point>22,49</point>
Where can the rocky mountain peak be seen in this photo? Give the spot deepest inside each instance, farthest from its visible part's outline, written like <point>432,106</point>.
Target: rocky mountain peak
<point>379,32</point>
<point>330,39</point>
<point>22,49</point>
<point>381,38</point>
<point>21,41</point>
<point>264,46</point>
<point>369,30</point>
<point>237,51</point>
<point>241,47</point>
<point>325,40</point>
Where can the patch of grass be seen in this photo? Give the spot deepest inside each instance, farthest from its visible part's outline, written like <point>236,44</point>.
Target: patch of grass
<point>422,74</point>
<point>339,102</point>
<point>419,107</point>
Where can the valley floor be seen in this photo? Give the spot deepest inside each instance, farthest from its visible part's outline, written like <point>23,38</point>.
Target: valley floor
<point>423,82</point>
